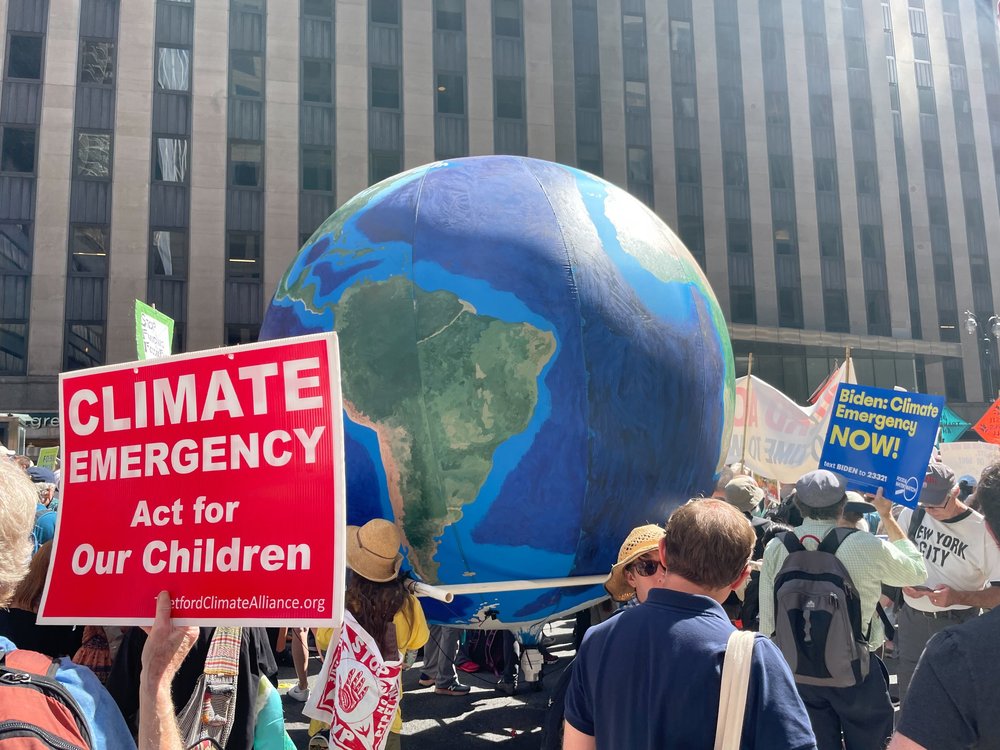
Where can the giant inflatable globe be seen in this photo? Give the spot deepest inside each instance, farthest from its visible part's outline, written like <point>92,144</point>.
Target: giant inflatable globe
<point>532,364</point>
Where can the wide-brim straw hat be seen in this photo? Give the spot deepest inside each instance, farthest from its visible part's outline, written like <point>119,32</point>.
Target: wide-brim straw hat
<point>640,540</point>
<point>373,550</point>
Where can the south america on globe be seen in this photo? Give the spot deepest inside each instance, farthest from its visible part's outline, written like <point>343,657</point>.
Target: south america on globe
<point>532,365</point>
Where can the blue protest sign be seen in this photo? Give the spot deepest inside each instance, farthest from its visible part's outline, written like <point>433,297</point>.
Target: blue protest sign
<point>882,438</point>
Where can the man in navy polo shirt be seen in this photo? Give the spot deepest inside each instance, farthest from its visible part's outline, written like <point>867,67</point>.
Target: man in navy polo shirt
<point>650,677</point>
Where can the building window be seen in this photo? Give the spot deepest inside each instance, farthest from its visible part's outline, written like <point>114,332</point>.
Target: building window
<point>173,69</point>
<point>639,167</point>
<point>171,163</point>
<point>784,239</point>
<point>384,164</point>
<point>317,169</point>
<point>385,11</point>
<point>24,57</point>
<point>243,255</point>
<point>385,88</point>
<point>89,251</point>
<point>507,18</point>
<point>451,94</point>
<point>97,62</point>
<point>317,81</point>
<point>15,248</point>
<point>633,31</point>
<point>681,38</point>
<point>318,8</point>
<point>169,254</point>
<point>84,346</point>
<point>17,151</point>
<point>449,15</point>
<point>743,308</point>
<point>688,166</point>
<point>246,74</point>
<point>636,96</point>
<point>509,98</point>
<point>245,164</point>
<point>93,155</point>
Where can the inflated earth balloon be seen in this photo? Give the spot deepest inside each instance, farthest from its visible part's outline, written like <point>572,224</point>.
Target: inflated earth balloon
<point>532,365</point>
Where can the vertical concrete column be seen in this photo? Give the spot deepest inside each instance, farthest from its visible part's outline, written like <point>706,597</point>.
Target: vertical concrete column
<point>813,317</point>
<point>54,164</point>
<point>419,88</point>
<point>540,113</point>
<point>758,171</point>
<point>609,33</point>
<point>564,81</point>
<point>661,112</point>
<point>479,41</point>
<point>209,105</point>
<point>281,143</point>
<point>130,201</point>
<point>352,97</point>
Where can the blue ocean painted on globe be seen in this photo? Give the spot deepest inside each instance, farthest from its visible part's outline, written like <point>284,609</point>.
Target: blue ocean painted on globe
<point>532,365</point>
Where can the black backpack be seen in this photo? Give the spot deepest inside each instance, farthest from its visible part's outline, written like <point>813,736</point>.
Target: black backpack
<point>817,614</point>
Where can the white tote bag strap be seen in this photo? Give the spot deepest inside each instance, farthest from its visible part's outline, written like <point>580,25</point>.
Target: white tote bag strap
<point>735,684</point>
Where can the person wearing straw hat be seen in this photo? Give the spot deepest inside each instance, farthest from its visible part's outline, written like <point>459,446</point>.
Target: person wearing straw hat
<point>638,569</point>
<point>651,676</point>
<point>377,597</point>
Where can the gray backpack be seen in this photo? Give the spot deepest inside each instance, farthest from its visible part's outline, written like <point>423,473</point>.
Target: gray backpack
<point>817,614</point>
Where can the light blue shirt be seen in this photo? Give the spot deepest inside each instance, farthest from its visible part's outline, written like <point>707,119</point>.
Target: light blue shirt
<point>107,727</point>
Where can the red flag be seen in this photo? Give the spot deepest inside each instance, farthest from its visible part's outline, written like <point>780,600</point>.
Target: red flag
<point>988,425</point>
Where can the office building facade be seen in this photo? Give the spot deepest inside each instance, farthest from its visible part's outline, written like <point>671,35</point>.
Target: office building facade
<point>834,166</point>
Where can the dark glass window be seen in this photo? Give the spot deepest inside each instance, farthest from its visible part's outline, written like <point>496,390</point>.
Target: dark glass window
<point>246,164</point>
<point>24,57</point>
<point>384,164</point>
<point>509,98</point>
<point>866,177</point>
<point>588,157</point>
<point>856,55</point>
<point>688,166</point>
<point>243,255</point>
<point>738,236</point>
<point>317,169</point>
<point>633,31</point>
<point>781,172</point>
<point>734,169</point>
<point>451,93</point>
<point>168,251</point>
<point>320,8</point>
<point>636,95</point>
<point>317,81</point>
<point>829,241</point>
<point>13,348</point>
<point>825,171</point>
<point>588,92</point>
<point>640,168</point>
<point>173,69</point>
<point>507,18</point>
<point>88,252</point>
<point>97,62</point>
<point>84,346</point>
<point>384,11</point>
<point>789,307</point>
<point>17,152</point>
<point>742,301</point>
<point>241,335</point>
<point>449,15</point>
<point>681,38</point>
<point>784,239</point>
<point>93,155</point>
<point>171,160</point>
<point>385,88</point>
<point>15,248</point>
<point>246,74</point>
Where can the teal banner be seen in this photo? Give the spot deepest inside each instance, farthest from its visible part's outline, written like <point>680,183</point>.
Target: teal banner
<point>952,426</point>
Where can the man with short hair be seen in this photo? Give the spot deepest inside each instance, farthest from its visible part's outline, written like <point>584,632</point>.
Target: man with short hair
<point>952,701</point>
<point>963,568</point>
<point>858,717</point>
<point>650,677</point>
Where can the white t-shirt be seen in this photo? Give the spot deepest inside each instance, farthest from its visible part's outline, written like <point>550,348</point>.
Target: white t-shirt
<point>959,553</point>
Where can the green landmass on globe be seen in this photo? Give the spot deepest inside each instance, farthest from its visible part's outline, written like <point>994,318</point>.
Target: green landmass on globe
<point>473,386</point>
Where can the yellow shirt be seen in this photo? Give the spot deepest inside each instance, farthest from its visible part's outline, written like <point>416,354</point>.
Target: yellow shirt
<point>411,633</point>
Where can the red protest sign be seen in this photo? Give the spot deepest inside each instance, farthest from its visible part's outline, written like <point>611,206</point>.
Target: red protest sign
<point>988,425</point>
<point>217,476</point>
<point>357,692</point>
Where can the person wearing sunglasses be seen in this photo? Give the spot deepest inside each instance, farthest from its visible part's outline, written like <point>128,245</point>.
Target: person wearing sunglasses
<point>638,569</point>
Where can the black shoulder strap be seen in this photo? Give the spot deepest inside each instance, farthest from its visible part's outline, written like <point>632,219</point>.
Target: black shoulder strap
<point>791,542</point>
<point>833,539</point>
<point>915,520</point>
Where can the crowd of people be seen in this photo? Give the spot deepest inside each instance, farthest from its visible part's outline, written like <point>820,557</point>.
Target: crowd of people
<point>827,582</point>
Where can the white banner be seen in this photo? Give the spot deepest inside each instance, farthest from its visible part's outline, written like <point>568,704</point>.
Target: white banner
<point>969,459</point>
<point>357,692</point>
<point>784,440</point>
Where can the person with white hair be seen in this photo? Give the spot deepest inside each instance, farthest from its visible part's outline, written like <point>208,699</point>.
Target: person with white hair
<point>164,652</point>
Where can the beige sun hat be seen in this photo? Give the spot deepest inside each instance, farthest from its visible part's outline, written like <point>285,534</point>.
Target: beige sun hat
<point>373,550</point>
<point>640,540</point>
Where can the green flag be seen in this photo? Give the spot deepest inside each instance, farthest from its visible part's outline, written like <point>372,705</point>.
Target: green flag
<point>952,426</point>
